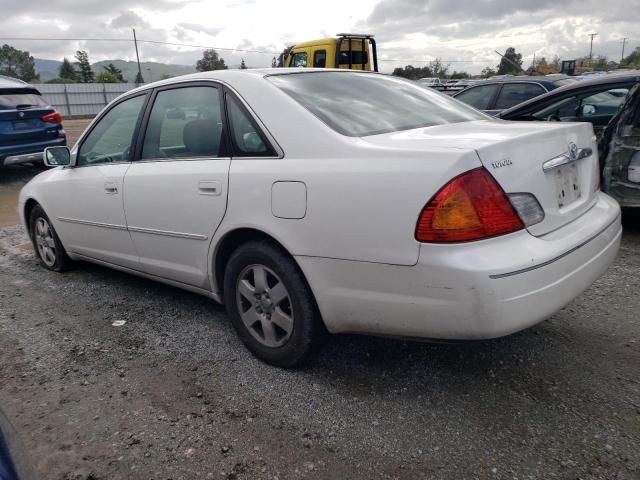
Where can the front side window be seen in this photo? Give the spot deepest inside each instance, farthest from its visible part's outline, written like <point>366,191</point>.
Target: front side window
<point>185,122</point>
<point>360,104</point>
<point>583,107</point>
<point>248,141</point>
<point>514,93</point>
<point>299,59</point>
<point>112,137</point>
<point>479,97</point>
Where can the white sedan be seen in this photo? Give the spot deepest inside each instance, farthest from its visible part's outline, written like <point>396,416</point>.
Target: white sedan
<point>315,200</point>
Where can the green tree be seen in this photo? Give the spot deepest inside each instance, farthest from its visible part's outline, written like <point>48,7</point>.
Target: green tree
<point>17,63</point>
<point>488,72</point>
<point>85,74</point>
<point>459,75</point>
<point>274,62</point>
<point>106,77</point>
<point>632,60</point>
<point>210,61</point>
<point>243,65</point>
<point>438,69</point>
<point>282,58</point>
<point>510,63</point>
<point>413,73</point>
<point>67,71</point>
<point>139,78</point>
<point>556,63</point>
<point>114,71</point>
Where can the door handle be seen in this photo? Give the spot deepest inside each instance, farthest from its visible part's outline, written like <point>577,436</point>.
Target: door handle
<point>110,187</point>
<point>209,187</point>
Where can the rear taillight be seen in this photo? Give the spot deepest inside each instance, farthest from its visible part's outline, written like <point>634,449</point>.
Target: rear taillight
<point>53,117</point>
<point>472,206</point>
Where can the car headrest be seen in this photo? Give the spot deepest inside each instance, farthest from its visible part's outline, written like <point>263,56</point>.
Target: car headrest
<point>202,137</point>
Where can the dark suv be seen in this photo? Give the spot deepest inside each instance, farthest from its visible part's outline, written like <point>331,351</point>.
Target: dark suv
<point>494,95</point>
<point>27,123</point>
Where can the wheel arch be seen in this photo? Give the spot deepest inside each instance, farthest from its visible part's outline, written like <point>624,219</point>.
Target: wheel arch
<point>231,240</point>
<point>29,205</point>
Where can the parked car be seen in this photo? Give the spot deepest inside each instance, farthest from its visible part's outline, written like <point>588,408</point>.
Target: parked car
<point>311,200</point>
<point>27,123</point>
<point>615,119</point>
<point>493,96</point>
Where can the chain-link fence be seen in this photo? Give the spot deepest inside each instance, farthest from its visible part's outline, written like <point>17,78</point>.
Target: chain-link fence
<point>82,98</point>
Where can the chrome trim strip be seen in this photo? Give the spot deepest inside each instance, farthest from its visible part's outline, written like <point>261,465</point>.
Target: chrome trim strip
<point>192,236</point>
<point>559,257</point>
<point>93,224</point>
<point>566,159</point>
<point>167,233</point>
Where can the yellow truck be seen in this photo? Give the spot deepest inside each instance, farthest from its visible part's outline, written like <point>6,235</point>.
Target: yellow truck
<point>346,50</point>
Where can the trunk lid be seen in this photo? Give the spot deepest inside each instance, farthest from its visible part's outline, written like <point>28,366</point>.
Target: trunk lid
<point>514,153</point>
<point>21,112</point>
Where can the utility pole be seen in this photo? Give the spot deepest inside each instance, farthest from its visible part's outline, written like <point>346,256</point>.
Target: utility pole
<point>624,41</point>
<point>135,42</point>
<point>591,47</point>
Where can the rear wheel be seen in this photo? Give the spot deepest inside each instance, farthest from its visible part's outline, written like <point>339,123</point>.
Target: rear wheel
<point>47,245</point>
<point>270,305</point>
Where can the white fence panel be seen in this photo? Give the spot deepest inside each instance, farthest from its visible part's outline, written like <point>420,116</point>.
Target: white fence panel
<point>82,98</point>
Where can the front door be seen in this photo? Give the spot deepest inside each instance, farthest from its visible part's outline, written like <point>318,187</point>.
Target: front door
<point>89,210</point>
<point>176,193</point>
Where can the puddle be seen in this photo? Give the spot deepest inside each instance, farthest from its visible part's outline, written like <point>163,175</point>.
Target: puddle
<point>9,204</point>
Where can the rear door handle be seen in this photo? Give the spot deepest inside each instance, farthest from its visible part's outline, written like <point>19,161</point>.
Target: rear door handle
<point>110,187</point>
<point>209,187</point>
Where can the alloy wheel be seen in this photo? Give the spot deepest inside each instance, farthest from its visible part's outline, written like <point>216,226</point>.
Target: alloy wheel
<point>264,305</point>
<point>45,243</point>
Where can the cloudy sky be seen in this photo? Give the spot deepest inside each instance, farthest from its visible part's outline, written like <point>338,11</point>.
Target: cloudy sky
<point>464,33</point>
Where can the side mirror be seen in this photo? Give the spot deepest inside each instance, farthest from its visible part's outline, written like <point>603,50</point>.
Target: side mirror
<point>589,110</point>
<point>56,156</point>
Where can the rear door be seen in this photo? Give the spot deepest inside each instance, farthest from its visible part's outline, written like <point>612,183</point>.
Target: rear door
<point>176,192</point>
<point>515,93</point>
<point>21,112</point>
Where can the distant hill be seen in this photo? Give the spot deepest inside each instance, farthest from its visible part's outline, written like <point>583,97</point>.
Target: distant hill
<point>151,71</point>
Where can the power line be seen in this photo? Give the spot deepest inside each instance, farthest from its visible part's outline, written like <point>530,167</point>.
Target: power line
<point>98,39</point>
<point>177,44</point>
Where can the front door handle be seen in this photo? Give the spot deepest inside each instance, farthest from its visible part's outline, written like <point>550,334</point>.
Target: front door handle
<point>110,187</point>
<point>209,187</point>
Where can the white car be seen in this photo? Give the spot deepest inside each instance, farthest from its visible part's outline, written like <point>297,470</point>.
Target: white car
<point>318,200</point>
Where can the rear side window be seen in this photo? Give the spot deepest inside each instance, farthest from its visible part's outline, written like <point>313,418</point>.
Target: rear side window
<point>479,97</point>
<point>185,122</point>
<point>358,57</point>
<point>360,104</point>
<point>319,58</point>
<point>20,98</point>
<point>514,93</point>
<point>248,141</point>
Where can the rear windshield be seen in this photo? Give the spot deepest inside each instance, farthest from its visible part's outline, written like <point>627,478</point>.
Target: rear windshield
<point>11,98</point>
<point>358,105</point>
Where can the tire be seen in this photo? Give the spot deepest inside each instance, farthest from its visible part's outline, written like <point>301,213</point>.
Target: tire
<point>270,304</point>
<point>46,242</point>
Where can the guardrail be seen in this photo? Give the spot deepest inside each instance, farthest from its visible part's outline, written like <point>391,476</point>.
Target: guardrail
<point>81,98</point>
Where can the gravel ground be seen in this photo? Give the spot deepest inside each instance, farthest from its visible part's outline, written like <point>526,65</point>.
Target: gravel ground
<point>173,394</point>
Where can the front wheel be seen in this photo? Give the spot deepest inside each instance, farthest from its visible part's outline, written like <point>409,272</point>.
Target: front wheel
<point>47,245</point>
<point>270,304</point>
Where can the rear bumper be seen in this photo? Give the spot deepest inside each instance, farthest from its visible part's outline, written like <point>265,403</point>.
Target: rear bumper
<point>27,153</point>
<point>470,291</point>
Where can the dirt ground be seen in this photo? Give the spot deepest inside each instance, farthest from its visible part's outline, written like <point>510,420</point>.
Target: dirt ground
<point>173,394</point>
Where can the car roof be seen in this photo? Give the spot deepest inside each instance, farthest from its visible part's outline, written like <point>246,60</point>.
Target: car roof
<point>10,82</point>
<point>609,79</point>
<point>229,75</point>
<point>524,79</point>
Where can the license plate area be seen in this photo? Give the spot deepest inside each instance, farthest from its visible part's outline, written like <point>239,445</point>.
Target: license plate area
<point>567,185</point>
<point>21,125</point>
